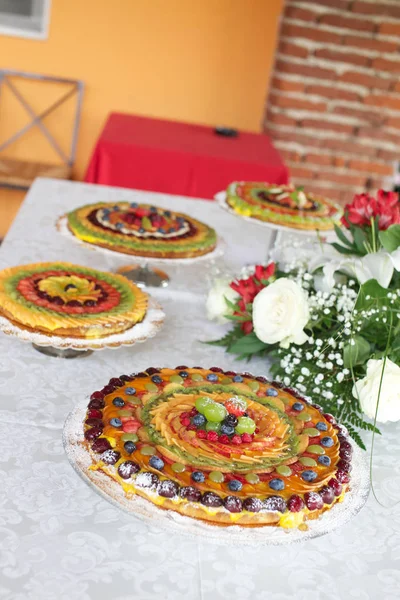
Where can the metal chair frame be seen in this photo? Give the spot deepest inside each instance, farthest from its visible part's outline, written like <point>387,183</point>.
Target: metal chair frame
<point>37,119</point>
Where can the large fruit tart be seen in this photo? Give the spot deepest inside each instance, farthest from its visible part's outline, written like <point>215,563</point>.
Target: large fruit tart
<point>67,300</point>
<point>282,205</point>
<point>218,446</point>
<point>142,230</point>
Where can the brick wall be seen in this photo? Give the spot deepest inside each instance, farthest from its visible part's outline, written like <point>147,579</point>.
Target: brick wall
<point>334,103</point>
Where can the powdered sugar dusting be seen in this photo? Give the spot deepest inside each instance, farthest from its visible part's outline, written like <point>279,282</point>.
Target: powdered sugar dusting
<point>148,328</point>
<point>171,521</point>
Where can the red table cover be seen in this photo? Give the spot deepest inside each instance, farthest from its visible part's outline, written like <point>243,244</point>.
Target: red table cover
<point>179,158</point>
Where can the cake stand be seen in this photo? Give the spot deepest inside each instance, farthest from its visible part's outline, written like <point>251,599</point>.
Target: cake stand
<point>275,229</point>
<point>175,523</point>
<point>142,274</point>
<point>68,347</point>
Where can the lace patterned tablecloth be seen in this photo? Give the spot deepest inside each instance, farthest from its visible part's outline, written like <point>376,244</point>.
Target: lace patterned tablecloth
<point>61,541</point>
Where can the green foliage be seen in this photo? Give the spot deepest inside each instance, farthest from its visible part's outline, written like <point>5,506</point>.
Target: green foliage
<point>390,239</point>
<point>356,352</point>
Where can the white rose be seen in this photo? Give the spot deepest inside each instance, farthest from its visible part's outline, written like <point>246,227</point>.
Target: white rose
<point>367,390</point>
<point>280,313</point>
<point>216,305</point>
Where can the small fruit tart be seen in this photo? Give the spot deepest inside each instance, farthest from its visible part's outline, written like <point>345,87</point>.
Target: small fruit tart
<point>142,230</point>
<point>70,301</point>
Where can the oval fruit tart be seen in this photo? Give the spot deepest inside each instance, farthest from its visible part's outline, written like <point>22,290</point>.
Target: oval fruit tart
<point>282,205</point>
<point>142,230</point>
<point>67,300</point>
<point>225,448</point>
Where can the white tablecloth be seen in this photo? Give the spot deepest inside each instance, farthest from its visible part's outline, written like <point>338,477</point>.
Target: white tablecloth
<point>60,541</point>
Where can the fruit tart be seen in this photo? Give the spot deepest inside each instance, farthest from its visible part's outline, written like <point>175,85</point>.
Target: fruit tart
<point>68,300</point>
<point>142,230</point>
<point>217,446</point>
<point>282,205</point>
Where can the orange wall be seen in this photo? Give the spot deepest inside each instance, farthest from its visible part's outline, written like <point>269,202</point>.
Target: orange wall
<point>204,61</point>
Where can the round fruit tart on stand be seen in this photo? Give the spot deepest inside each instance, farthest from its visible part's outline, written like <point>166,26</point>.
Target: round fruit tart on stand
<point>61,307</point>
<point>217,454</point>
<point>280,208</point>
<point>142,230</point>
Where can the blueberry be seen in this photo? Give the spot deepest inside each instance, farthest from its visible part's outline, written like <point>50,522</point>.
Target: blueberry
<point>129,447</point>
<point>298,406</point>
<point>309,475</point>
<point>115,422</point>
<point>199,420</point>
<point>157,463</point>
<point>153,209</point>
<point>212,377</point>
<point>167,213</point>
<point>171,230</point>
<point>321,426</point>
<point>183,374</point>
<point>198,476</point>
<point>134,205</point>
<point>119,225</point>
<point>141,230</point>
<point>324,460</point>
<point>130,391</point>
<point>272,392</point>
<point>118,401</point>
<point>161,230</point>
<point>235,486</point>
<point>227,429</point>
<point>276,484</point>
<point>156,379</point>
<point>230,420</point>
<point>327,441</point>
<point>238,379</point>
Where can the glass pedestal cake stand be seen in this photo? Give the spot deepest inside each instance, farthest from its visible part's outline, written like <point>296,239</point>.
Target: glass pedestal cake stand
<point>142,273</point>
<point>274,229</point>
<point>64,347</point>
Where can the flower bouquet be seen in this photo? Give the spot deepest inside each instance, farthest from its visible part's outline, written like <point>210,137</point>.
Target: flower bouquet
<point>328,320</point>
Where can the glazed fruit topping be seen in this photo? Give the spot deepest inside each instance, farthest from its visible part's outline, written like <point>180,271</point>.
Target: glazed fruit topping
<point>275,503</point>
<point>327,494</point>
<point>127,469</point>
<point>147,480</point>
<point>211,499</point>
<point>336,486</point>
<point>295,503</point>
<point>313,501</point>
<point>233,504</point>
<point>101,445</point>
<point>110,457</point>
<point>168,489</point>
<point>253,504</point>
<point>93,433</point>
<point>190,493</point>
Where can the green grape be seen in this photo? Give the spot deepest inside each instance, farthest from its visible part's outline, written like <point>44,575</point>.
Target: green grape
<point>213,426</point>
<point>124,413</point>
<point>307,462</point>
<point>252,478</point>
<point>147,450</point>
<point>151,387</point>
<point>129,437</point>
<point>311,431</point>
<point>314,449</point>
<point>178,467</point>
<point>284,470</point>
<point>176,379</point>
<point>245,425</point>
<point>202,402</point>
<point>254,386</point>
<point>215,412</point>
<point>303,417</point>
<point>216,476</point>
<point>197,377</point>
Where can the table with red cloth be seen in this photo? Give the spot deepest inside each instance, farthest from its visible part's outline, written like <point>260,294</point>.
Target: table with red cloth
<point>180,158</point>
